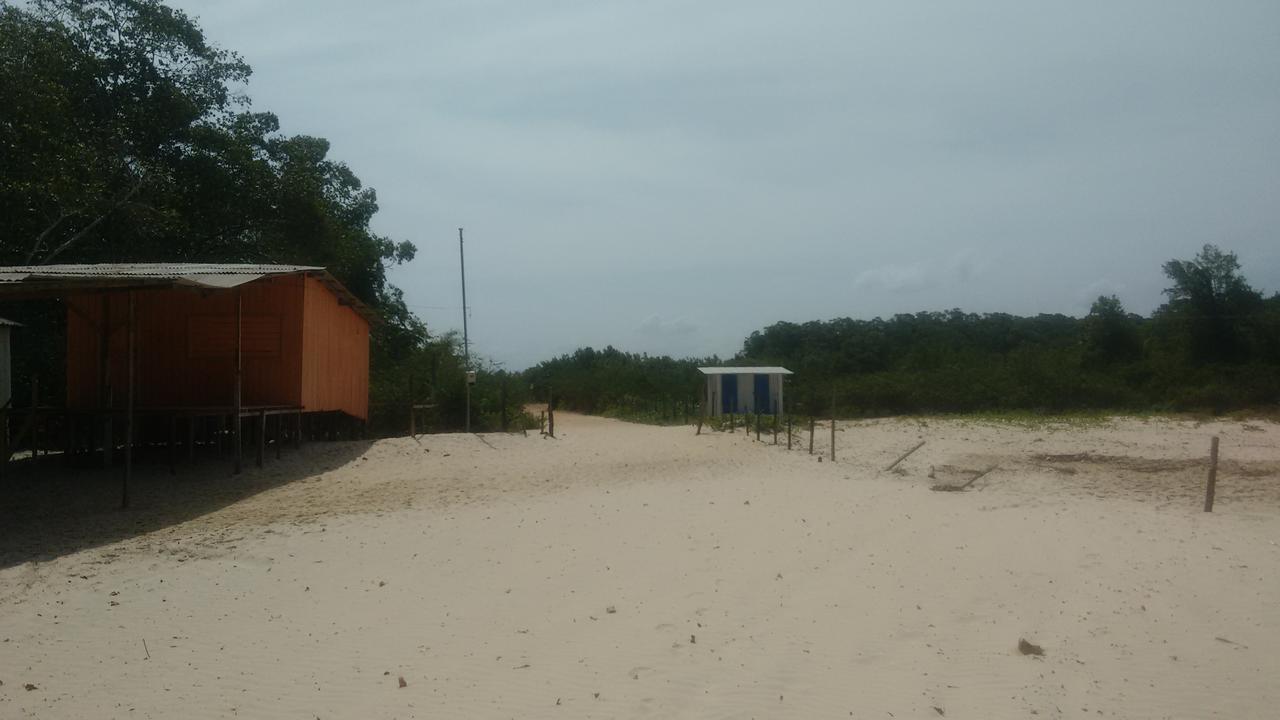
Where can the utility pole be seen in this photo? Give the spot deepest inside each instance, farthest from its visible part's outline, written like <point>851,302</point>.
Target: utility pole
<point>466,348</point>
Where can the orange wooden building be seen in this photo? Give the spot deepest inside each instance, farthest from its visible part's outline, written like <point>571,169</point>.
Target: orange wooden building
<point>304,344</point>
<point>202,343</point>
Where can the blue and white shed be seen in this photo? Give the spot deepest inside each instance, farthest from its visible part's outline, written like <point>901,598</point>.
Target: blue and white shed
<point>743,390</point>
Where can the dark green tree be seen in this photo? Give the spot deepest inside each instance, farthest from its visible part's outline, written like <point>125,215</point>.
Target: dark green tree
<point>1209,304</point>
<point>1110,334</point>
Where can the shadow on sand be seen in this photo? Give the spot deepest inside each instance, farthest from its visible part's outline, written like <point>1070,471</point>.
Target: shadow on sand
<point>48,510</point>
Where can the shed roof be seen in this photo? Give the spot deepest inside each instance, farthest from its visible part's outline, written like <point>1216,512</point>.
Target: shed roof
<point>32,281</point>
<point>767,370</point>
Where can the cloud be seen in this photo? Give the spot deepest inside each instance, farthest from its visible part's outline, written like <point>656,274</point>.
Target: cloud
<point>658,326</point>
<point>894,278</point>
<point>966,265</point>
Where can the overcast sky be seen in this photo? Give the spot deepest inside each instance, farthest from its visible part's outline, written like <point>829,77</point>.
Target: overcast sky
<point>669,176</point>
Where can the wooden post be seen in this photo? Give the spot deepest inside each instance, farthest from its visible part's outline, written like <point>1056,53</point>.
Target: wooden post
<point>757,426</point>
<point>833,428</point>
<point>542,423</point>
<point>1213,475</point>
<point>775,428</point>
<point>551,413</point>
<point>502,399</point>
<point>788,432</point>
<point>104,382</point>
<point>812,424</point>
<point>413,429</point>
<point>35,419</point>
<point>261,438</point>
<point>128,404</point>
<point>4,439</point>
<point>236,404</point>
<point>69,438</point>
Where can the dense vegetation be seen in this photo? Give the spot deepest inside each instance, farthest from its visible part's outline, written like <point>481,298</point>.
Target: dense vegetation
<point>126,136</point>
<point>1213,346</point>
<point>612,382</point>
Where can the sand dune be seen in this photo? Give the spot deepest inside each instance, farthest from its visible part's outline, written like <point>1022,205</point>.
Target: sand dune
<point>626,571</point>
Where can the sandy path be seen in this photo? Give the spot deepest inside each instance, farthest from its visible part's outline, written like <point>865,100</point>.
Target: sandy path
<point>744,581</point>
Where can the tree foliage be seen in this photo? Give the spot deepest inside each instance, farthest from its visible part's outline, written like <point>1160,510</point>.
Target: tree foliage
<point>126,136</point>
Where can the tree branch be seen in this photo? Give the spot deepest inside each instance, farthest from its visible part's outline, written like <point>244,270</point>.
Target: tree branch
<point>39,243</point>
<point>96,221</point>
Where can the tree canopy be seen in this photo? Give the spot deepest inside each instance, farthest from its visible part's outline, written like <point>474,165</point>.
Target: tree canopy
<point>127,136</point>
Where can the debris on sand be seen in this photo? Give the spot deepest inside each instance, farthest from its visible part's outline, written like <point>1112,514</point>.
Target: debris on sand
<point>402,682</point>
<point>29,687</point>
<point>1027,648</point>
<point>965,486</point>
<point>611,610</point>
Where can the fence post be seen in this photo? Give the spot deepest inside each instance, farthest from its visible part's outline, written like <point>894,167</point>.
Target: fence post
<point>788,432</point>
<point>833,428</point>
<point>775,428</point>
<point>413,420</point>
<point>1213,475</point>
<point>35,419</point>
<point>757,426</point>
<point>812,424</point>
<point>503,401</point>
<point>551,413</point>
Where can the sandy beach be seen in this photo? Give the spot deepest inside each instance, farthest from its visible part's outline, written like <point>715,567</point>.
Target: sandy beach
<point>624,571</point>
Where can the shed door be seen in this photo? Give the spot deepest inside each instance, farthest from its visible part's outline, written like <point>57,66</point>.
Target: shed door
<point>728,393</point>
<point>763,405</point>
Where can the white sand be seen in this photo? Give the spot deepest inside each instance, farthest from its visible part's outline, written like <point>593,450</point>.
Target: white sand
<point>744,581</point>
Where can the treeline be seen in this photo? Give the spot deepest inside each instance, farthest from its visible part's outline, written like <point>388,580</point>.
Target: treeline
<point>126,136</point>
<point>622,384</point>
<point>1213,346</point>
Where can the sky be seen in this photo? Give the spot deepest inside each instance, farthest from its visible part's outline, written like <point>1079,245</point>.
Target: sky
<point>667,177</point>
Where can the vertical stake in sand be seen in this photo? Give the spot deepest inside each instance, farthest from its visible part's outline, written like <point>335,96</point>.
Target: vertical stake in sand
<point>1213,475</point>
<point>775,428</point>
<point>812,422</point>
<point>757,427</point>
<point>413,429</point>
<point>833,428</point>
<point>551,413</point>
<point>788,432</point>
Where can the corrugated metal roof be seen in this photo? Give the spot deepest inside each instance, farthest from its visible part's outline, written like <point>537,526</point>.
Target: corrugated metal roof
<point>173,271</point>
<point>745,371</point>
<point>55,280</point>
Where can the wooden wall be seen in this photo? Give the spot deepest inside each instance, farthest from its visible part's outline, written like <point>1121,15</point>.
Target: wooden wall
<point>300,347</point>
<point>186,346</point>
<point>335,352</point>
